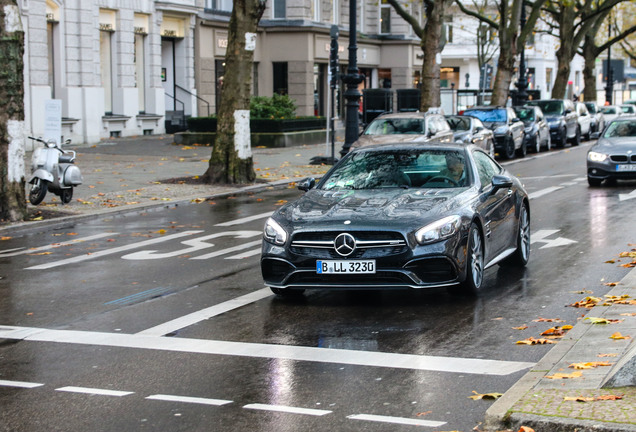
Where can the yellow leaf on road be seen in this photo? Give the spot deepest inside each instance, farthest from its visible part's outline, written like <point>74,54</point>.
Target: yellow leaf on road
<point>619,336</point>
<point>560,375</point>
<point>491,396</point>
<point>589,365</point>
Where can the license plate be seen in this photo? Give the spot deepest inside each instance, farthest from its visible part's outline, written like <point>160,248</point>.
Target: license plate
<point>630,167</point>
<point>346,267</point>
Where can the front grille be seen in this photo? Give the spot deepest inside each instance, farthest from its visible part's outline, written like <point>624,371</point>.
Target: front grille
<point>369,244</point>
<point>619,158</point>
<point>433,270</point>
<point>633,158</point>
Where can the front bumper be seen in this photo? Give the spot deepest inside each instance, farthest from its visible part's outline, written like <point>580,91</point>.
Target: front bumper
<point>436,265</point>
<point>611,170</point>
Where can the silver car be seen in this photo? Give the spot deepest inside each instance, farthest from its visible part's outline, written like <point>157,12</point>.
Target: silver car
<point>406,127</point>
<point>613,157</point>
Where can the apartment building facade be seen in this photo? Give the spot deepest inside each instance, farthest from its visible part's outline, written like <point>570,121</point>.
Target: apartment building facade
<point>133,67</point>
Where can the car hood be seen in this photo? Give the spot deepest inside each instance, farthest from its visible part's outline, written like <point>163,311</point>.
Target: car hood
<point>621,144</point>
<point>493,125</point>
<point>368,140</point>
<point>402,209</point>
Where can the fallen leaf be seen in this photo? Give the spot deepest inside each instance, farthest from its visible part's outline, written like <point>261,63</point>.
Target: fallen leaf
<point>556,331</point>
<point>547,320</point>
<point>490,396</point>
<point>525,429</point>
<point>610,262</point>
<point>608,355</point>
<point>592,398</point>
<point>5,238</point>
<point>589,365</point>
<point>587,302</point>
<point>533,341</point>
<point>628,314</point>
<point>561,375</point>
<point>161,231</point>
<point>421,414</point>
<point>595,320</point>
<point>41,253</point>
<point>611,284</point>
<point>523,327</point>
<point>619,336</point>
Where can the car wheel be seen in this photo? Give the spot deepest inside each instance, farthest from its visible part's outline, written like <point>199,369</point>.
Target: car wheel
<point>287,292</point>
<point>594,182</point>
<point>563,139</point>
<point>577,137</point>
<point>521,255</point>
<point>509,148</point>
<point>474,261</point>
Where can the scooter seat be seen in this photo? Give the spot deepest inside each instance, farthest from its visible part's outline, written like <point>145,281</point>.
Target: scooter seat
<point>66,158</point>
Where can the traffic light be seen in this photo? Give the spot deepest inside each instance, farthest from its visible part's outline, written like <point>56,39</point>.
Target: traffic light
<point>333,57</point>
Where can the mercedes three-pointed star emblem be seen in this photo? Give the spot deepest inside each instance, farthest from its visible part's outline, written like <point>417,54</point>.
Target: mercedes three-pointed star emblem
<point>344,244</point>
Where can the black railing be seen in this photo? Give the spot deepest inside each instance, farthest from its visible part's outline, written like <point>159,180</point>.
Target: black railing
<point>192,94</point>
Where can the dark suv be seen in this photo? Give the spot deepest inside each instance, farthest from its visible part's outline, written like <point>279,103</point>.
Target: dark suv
<point>508,129</point>
<point>563,120</point>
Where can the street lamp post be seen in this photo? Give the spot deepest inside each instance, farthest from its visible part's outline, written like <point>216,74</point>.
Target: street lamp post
<point>352,78</point>
<point>522,84</point>
<point>609,88</point>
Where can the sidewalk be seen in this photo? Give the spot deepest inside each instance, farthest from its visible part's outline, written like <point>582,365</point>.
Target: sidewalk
<point>135,173</point>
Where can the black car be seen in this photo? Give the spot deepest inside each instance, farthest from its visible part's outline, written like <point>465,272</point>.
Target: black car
<point>470,130</point>
<point>563,121</point>
<point>537,130</point>
<point>613,157</point>
<point>399,216</point>
<point>505,124</point>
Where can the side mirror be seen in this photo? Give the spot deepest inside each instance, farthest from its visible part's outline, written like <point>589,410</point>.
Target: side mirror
<point>595,135</point>
<point>500,182</point>
<point>307,184</point>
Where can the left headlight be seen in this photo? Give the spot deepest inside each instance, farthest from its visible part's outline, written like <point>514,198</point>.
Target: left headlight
<point>274,233</point>
<point>596,157</point>
<point>439,230</point>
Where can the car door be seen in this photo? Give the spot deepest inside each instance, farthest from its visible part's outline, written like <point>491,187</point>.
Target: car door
<point>571,118</point>
<point>496,207</point>
<point>478,133</point>
<point>543,130</point>
<point>516,127</point>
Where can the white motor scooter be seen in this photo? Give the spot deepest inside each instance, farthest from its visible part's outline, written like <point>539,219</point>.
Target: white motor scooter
<point>54,170</point>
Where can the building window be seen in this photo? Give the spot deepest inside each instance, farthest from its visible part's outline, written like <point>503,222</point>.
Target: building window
<point>315,10</point>
<point>548,79</point>
<point>255,80</point>
<point>279,9</point>
<point>448,28</point>
<point>385,17</point>
<point>107,20</point>
<point>280,78</point>
<point>50,27</point>
<point>361,17</point>
<point>219,5</point>
<point>140,71</point>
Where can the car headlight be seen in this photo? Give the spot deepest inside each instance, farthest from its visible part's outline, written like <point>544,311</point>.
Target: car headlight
<point>274,233</point>
<point>439,230</point>
<point>596,157</point>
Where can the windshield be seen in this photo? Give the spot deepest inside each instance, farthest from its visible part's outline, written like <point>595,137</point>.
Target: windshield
<point>392,126</point>
<point>491,115</point>
<point>609,110</point>
<point>459,123</point>
<point>550,107</point>
<point>621,128</point>
<point>403,168</point>
<point>525,114</point>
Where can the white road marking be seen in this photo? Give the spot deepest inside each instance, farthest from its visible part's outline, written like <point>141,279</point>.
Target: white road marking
<point>287,409</point>
<point>624,197</point>
<point>269,351</point>
<point>396,420</point>
<point>245,219</point>
<point>112,251</point>
<point>188,399</point>
<point>246,254</point>
<point>21,384</point>
<point>547,177</point>
<point>194,245</point>
<point>94,391</point>
<point>540,236</point>
<point>195,317</point>
<point>22,251</point>
<point>230,250</point>
<point>543,192</point>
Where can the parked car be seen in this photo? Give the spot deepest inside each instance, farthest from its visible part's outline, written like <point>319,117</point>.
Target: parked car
<point>399,216</point>
<point>610,112</point>
<point>613,157</point>
<point>562,119</point>
<point>537,131</point>
<point>406,127</point>
<point>628,109</point>
<point>585,120</point>
<point>598,119</point>
<point>507,127</point>
<point>470,130</point>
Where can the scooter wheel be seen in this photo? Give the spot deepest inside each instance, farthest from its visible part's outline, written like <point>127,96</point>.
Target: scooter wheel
<point>38,191</point>
<point>66,195</point>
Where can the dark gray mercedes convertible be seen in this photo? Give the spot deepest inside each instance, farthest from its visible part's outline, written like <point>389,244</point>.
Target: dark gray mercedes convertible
<point>399,216</point>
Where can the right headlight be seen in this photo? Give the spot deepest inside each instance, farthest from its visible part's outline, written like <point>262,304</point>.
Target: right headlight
<point>596,157</point>
<point>274,233</point>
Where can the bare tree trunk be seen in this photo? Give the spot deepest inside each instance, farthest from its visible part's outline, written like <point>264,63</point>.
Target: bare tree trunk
<point>432,44</point>
<point>565,53</point>
<point>231,160</point>
<point>12,196</point>
<point>589,78</point>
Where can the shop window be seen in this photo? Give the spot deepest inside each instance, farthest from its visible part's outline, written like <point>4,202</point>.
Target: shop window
<point>280,78</point>
<point>448,76</point>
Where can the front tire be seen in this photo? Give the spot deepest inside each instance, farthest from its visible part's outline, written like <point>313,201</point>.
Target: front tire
<point>38,191</point>
<point>577,137</point>
<point>594,182</point>
<point>509,149</point>
<point>474,261</point>
<point>522,151</point>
